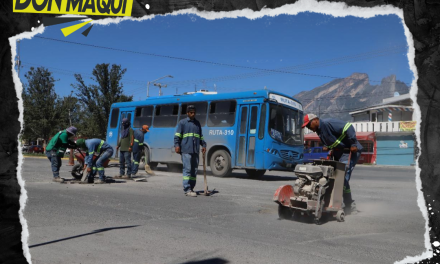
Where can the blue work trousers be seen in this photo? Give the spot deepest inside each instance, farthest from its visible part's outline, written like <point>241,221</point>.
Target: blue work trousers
<point>55,162</point>
<point>350,167</point>
<point>190,165</point>
<point>98,165</point>
<point>125,158</point>
<point>136,159</point>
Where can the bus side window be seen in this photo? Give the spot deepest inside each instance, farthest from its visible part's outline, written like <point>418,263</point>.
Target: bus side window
<point>222,113</point>
<point>114,118</point>
<point>201,109</point>
<point>143,116</point>
<point>262,122</point>
<point>166,115</point>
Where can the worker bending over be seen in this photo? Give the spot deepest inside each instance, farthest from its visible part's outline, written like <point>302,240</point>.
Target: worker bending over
<point>337,135</point>
<point>104,152</point>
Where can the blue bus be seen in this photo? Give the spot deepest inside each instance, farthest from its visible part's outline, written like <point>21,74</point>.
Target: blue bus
<point>252,130</point>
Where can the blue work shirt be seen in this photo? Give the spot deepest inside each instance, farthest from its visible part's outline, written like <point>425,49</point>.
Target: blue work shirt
<point>138,143</point>
<point>95,145</point>
<point>331,129</point>
<point>189,136</point>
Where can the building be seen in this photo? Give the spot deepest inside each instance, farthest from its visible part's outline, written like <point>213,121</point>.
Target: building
<point>394,114</point>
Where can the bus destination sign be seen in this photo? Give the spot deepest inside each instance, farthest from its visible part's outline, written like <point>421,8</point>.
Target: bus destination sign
<point>286,101</point>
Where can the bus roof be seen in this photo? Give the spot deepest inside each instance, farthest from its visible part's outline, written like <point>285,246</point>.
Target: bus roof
<point>184,98</point>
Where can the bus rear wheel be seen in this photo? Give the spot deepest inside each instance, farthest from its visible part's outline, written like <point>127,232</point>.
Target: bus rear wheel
<point>220,163</point>
<point>255,174</point>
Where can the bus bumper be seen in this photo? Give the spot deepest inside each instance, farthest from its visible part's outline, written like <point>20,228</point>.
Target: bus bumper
<point>277,163</point>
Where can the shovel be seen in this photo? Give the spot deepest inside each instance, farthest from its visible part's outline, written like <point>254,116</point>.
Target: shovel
<point>84,177</point>
<point>205,192</point>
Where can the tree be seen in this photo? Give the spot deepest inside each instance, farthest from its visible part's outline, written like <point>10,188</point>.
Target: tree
<point>41,105</point>
<point>96,99</point>
<point>71,111</point>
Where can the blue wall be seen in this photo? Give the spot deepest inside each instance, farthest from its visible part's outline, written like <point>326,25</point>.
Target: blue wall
<point>391,151</point>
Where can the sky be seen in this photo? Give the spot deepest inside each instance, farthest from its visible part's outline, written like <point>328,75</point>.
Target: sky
<point>285,53</point>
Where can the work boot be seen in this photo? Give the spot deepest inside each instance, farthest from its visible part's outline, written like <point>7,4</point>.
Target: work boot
<point>191,193</point>
<point>100,181</point>
<point>57,179</point>
<point>127,177</point>
<point>350,207</point>
<point>119,176</point>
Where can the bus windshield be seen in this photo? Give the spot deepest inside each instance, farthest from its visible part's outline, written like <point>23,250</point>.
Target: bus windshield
<point>285,124</point>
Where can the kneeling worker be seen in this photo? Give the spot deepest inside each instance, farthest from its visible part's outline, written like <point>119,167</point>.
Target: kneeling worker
<point>337,135</point>
<point>104,150</point>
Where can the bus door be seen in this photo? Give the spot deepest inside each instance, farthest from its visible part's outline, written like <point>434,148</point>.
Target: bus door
<point>122,116</point>
<point>247,135</point>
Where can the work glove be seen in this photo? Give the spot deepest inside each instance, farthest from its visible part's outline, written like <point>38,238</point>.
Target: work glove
<point>353,149</point>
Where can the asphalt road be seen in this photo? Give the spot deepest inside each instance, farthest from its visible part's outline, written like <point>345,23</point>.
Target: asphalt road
<point>153,222</point>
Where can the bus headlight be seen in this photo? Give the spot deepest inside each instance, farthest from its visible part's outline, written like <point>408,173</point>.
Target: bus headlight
<point>272,151</point>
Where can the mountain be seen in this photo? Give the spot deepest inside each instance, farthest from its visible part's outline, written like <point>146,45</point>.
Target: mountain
<point>339,97</point>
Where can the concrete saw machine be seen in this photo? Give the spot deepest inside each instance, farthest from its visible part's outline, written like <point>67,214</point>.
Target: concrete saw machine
<point>317,191</point>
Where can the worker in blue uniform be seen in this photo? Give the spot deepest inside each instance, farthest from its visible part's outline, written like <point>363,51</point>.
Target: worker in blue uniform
<point>138,146</point>
<point>187,142</point>
<point>337,135</point>
<point>103,149</point>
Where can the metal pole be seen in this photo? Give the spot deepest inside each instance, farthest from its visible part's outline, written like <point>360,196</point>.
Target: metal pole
<point>71,160</point>
<point>148,89</point>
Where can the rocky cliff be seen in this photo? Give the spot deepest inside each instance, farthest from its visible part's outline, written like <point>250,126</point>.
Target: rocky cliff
<point>341,96</point>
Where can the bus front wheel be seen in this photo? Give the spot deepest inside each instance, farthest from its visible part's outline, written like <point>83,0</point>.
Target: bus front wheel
<point>220,163</point>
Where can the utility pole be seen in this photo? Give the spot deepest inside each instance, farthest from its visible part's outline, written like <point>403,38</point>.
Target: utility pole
<point>215,87</point>
<point>319,108</point>
<point>148,84</point>
<point>160,88</point>
<point>195,88</point>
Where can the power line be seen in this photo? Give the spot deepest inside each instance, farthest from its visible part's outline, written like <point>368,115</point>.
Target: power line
<point>193,60</point>
<point>72,73</point>
<point>311,65</point>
